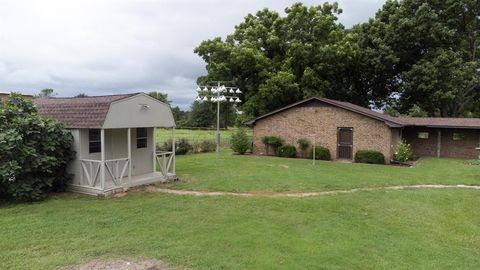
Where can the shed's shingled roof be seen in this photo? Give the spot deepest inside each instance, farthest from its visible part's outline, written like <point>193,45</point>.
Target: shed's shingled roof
<point>391,121</point>
<point>78,112</point>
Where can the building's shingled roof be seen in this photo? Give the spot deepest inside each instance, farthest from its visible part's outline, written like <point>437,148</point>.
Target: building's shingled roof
<point>78,112</point>
<point>389,120</point>
<point>441,122</point>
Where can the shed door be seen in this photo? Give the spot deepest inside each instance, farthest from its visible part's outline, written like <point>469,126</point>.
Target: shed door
<point>345,143</point>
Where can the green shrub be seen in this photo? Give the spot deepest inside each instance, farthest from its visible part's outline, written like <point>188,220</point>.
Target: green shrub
<point>204,146</point>
<point>34,152</point>
<point>321,153</point>
<point>240,142</point>
<point>304,144</point>
<point>208,146</point>
<point>403,152</point>
<point>273,142</point>
<point>182,146</point>
<point>372,157</point>
<point>287,150</point>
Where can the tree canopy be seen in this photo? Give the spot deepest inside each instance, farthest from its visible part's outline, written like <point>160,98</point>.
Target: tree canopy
<point>47,92</point>
<point>412,53</point>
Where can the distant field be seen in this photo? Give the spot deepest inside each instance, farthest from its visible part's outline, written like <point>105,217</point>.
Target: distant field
<point>197,135</point>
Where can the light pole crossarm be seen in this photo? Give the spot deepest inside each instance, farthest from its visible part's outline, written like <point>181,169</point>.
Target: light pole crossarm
<point>218,94</point>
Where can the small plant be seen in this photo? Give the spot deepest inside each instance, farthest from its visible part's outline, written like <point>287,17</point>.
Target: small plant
<point>304,145</point>
<point>240,142</point>
<point>204,146</point>
<point>272,142</point>
<point>182,146</point>
<point>403,152</point>
<point>371,157</point>
<point>287,150</point>
<point>321,153</point>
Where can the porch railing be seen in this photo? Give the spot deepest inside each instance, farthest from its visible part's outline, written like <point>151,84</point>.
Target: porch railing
<point>164,162</point>
<point>91,170</point>
<point>117,168</point>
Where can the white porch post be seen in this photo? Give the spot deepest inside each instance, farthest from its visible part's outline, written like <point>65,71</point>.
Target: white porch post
<point>154,160</point>
<point>173,149</point>
<point>129,145</point>
<point>102,168</point>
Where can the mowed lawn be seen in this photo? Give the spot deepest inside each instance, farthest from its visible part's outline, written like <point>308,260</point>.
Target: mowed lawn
<point>383,229</point>
<point>254,173</point>
<point>409,229</point>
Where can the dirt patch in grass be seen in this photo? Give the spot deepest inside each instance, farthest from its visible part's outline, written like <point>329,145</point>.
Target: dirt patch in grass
<point>121,264</point>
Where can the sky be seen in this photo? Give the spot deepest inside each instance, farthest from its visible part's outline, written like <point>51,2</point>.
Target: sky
<point>101,47</point>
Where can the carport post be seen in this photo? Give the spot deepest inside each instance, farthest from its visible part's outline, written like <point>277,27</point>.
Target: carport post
<point>439,142</point>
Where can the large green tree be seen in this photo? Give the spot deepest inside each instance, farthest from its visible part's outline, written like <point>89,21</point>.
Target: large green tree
<point>414,54</point>
<point>204,114</point>
<point>163,97</point>
<point>277,59</point>
<point>47,92</point>
<point>423,53</point>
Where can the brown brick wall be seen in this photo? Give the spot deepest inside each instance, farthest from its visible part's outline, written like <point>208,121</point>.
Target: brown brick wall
<point>464,148</point>
<point>323,120</point>
<point>421,147</point>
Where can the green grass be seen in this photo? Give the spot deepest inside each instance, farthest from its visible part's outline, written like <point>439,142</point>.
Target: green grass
<point>253,173</point>
<point>195,135</point>
<point>421,229</point>
<point>407,229</point>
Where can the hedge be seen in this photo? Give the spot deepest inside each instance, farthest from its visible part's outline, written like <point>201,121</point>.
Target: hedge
<point>321,153</point>
<point>288,151</point>
<point>272,141</point>
<point>371,157</point>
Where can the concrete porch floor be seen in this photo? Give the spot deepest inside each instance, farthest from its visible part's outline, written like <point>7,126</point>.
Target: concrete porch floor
<point>137,180</point>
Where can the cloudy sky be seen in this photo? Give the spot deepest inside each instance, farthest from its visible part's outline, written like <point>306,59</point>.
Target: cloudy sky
<point>116,46</point>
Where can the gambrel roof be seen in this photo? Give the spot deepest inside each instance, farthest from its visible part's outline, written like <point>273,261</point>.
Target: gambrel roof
<point>78,112</point>
<point>114,111</point>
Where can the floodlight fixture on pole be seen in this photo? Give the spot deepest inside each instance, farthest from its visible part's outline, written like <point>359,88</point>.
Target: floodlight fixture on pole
<point>217,94</point>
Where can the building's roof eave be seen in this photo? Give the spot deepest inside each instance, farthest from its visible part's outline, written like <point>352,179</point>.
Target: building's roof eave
<point>393,122</point>
<point>344,105</point>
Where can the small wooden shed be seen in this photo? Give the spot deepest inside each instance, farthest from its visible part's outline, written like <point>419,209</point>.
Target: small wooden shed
<point>114,140</point>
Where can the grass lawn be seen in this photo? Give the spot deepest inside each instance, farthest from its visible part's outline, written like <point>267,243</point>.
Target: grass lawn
<point>410,229</point>
<point>254,173</point>
<point>195,135</point>
<point>407,229</point>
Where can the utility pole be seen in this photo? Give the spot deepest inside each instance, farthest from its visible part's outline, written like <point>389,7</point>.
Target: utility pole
<point>217,94</point>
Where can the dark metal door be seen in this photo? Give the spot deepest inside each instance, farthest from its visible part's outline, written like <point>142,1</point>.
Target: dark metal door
<point>344,143</point>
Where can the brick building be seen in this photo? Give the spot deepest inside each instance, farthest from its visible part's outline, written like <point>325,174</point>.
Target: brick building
<point>345,128</point>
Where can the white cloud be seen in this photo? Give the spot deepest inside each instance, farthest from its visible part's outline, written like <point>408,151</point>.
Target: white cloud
<point>114,46</point>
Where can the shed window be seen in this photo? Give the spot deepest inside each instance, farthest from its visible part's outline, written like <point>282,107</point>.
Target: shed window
<point>423,135</point>
<point>457,136</point>
<point>141,138</point>
<point>94,141</point>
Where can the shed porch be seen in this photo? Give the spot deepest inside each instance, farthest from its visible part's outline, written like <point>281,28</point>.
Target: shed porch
<point>113,160</point>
